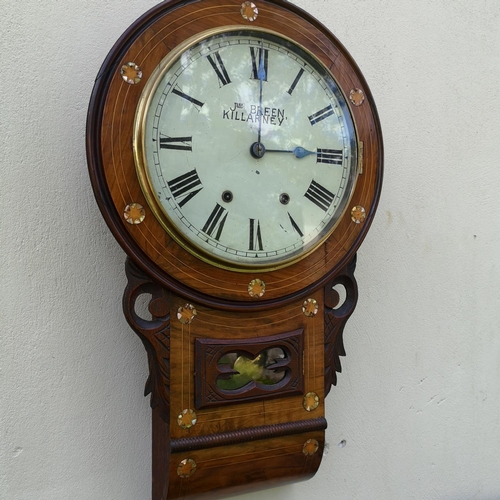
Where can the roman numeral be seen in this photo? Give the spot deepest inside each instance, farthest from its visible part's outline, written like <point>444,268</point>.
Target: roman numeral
<point>215,222</point>
<point>295,225</point>
<point>255,240</point>
<point>177,91</point>
<point>319,195</point>
<point>179,143</point>
<point>331,156</point>
<point>183,188</point>
<point>257,56</point>
<point>296,81</point>
<point>321,115</point>
<point>219,69</point>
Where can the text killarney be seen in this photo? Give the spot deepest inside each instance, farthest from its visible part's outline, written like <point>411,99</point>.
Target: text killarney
<point>271,116</point>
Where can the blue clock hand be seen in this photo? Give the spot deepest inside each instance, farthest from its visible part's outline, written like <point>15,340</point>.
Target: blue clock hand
<point>257,149</point>
<point>261,75</point>
<point>298,152</point>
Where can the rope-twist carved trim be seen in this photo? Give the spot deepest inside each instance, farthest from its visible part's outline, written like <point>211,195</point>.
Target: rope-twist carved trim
<point>247,435</point>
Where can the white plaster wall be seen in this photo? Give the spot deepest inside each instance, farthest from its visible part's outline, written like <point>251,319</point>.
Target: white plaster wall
<point>418,400</point>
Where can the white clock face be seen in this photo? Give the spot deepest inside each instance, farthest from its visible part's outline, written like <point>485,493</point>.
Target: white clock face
<point>247,149</point>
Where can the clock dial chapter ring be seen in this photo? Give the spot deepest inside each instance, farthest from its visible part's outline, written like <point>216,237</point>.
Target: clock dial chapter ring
<point>184,167</point>
<point>115,180</point>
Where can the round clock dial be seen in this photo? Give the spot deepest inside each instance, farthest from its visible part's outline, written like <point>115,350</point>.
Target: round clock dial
<point>245,148</point>
<point>231,143</point>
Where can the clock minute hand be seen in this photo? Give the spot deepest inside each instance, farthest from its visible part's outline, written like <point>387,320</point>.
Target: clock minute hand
<point>261,75</point>
<point>298,152</point>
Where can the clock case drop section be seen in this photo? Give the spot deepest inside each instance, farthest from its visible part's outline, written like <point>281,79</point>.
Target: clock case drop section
<point>259,442</point>
<point>245,435</point>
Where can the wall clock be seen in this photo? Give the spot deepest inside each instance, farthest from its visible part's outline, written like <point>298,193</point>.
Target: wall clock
<point>235,153</point>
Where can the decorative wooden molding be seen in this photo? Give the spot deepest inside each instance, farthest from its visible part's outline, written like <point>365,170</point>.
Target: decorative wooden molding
<point>209,352</point>
<point>246,435</point>
<point>154,334</point>
<point>337,311</point>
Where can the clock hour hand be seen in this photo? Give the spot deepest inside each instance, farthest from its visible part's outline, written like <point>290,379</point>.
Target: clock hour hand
<point>298,152</point>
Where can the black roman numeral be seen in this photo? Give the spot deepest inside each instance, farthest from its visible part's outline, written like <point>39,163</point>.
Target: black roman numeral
<point>219,69</point>
<point>255,240</point>
<point>216,222</point>
<point>319,195</point>
<point>177,91</point>
<point>295,226</point>
<point>321,115</point>
<point>179,143</point>
<point>257,56</point>
<point>296,81</point>
<point>184,187</point>
<point>331,156</point>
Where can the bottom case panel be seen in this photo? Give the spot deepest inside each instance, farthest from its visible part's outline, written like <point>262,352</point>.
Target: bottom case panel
<point>223,471</point>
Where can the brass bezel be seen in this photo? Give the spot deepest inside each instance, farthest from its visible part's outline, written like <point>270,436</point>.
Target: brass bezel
<point>145,181</point>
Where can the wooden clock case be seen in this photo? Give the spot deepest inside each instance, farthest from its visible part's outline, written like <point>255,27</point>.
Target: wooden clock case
<point>257,435</point>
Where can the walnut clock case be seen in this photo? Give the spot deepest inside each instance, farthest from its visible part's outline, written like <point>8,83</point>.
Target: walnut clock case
<point>236,154</point>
